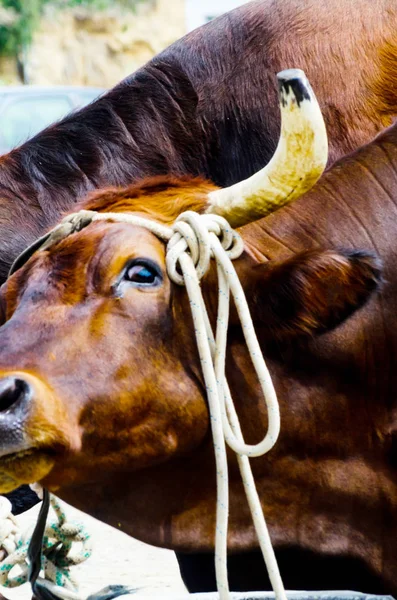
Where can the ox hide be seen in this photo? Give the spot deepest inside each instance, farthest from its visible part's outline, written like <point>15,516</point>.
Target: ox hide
<point>208,106</point>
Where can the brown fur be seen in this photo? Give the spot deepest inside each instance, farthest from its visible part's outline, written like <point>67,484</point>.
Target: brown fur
<point>162,198</point>
<point>384,83</point>
<point>207,106</point>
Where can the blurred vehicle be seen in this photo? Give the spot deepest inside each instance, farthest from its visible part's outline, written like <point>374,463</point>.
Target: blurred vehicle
<point>25,110</point>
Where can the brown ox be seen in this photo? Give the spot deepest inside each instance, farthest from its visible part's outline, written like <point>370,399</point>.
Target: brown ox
<point>102,395</point>
<point>207,106</point>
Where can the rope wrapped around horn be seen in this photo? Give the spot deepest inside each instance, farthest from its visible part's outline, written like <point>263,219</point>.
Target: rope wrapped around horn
<point>298,162</point>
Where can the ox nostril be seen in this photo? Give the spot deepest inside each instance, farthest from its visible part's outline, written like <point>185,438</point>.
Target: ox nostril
<point>12,391</point>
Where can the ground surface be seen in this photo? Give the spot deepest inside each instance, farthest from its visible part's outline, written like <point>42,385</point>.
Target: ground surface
<point>116,558</point>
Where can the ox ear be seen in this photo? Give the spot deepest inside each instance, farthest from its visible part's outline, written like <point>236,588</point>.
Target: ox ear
<point>312,292</point>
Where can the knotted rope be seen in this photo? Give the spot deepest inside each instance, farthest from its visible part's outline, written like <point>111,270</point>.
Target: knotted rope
<point>59,553</point>
<point>191,242</point>
<point>9,530</point>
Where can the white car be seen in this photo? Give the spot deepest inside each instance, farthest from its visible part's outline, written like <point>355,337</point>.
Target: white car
<point>26,109</point>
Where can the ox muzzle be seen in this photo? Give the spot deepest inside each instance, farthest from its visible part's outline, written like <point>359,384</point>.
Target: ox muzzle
<point>31,429</point>
<point>16,394</point>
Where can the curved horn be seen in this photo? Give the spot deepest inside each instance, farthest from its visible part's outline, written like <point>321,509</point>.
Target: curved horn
<point>298,162</point>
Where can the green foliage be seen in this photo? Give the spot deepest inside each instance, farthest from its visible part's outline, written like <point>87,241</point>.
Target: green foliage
<point>17,33</point>
<point>96,4</point>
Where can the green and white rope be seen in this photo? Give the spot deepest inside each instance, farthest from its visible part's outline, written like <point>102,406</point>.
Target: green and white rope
<point>59,548</point>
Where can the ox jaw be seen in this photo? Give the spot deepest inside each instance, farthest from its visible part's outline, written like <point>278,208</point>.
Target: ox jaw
<point>22,467</point>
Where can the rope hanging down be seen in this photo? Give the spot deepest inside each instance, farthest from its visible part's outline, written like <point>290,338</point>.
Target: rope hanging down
<point>213,237</point>
<point>58,553</point>
<point>192,241</point>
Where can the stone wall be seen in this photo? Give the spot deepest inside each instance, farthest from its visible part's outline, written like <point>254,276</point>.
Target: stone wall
<point>82,47</point>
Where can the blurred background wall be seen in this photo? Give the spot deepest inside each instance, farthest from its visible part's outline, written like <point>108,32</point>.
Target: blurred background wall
<point>92,42</point>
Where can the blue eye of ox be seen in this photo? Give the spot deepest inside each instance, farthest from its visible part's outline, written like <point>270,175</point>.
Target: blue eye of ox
<point>142,273</point>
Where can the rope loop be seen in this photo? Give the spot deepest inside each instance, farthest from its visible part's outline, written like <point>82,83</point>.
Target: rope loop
<point>59,548</point>
<point>192,233</point>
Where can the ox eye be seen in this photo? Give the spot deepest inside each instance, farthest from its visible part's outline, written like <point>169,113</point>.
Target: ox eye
<point>142,273</point>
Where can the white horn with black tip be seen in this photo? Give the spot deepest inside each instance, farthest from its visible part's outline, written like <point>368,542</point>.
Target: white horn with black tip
<point>298,162</point>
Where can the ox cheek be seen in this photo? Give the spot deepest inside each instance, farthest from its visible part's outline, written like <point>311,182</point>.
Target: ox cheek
<point>33,430</point>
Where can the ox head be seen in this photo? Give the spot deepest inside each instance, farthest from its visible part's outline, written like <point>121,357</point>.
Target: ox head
<point>98,364</point>
<point>99,371</point>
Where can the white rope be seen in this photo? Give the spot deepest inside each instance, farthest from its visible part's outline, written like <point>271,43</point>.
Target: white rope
<point>59,549</point>
<point>192,241</point>
<point>9,529</point>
